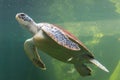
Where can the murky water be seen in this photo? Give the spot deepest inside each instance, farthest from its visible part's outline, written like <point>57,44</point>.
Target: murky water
<point>95,22</point>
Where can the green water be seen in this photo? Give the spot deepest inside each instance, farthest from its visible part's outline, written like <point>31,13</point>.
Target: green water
<point>95,22</point>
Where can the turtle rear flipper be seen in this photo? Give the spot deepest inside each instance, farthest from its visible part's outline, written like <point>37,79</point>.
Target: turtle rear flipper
<point>32,53</point>
<point>82,69</point>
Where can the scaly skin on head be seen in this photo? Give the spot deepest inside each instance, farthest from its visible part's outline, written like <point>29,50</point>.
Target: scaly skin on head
<point>27,22</point>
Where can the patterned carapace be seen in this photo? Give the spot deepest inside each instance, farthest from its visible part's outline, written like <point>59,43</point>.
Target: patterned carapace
<point>59,36</point>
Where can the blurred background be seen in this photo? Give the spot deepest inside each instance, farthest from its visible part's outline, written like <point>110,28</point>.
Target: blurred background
<point>95,22</point>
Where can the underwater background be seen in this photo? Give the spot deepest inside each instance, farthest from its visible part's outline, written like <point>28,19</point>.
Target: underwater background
<point>95,22</point>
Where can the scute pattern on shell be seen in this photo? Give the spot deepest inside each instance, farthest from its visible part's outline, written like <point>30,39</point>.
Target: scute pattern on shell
<point>59,36</point>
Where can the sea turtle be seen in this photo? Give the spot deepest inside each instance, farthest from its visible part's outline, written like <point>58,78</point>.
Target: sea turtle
<point>58,43</point>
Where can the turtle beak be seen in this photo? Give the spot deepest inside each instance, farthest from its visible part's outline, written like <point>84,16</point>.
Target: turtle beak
<point>16,16</point>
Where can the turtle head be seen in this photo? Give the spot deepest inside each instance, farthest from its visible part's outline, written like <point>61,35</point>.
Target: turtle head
<point>24,19</point>
<point>27,22</point>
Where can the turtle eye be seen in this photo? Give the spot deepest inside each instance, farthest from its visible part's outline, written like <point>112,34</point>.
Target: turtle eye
<point>22,15</point>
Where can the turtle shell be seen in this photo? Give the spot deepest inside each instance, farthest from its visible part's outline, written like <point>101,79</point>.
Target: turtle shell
<point>60,37</point>
<point>65,39</point>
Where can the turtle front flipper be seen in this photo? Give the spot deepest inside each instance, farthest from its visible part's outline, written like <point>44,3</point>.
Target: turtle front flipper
<point>32,53</point>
